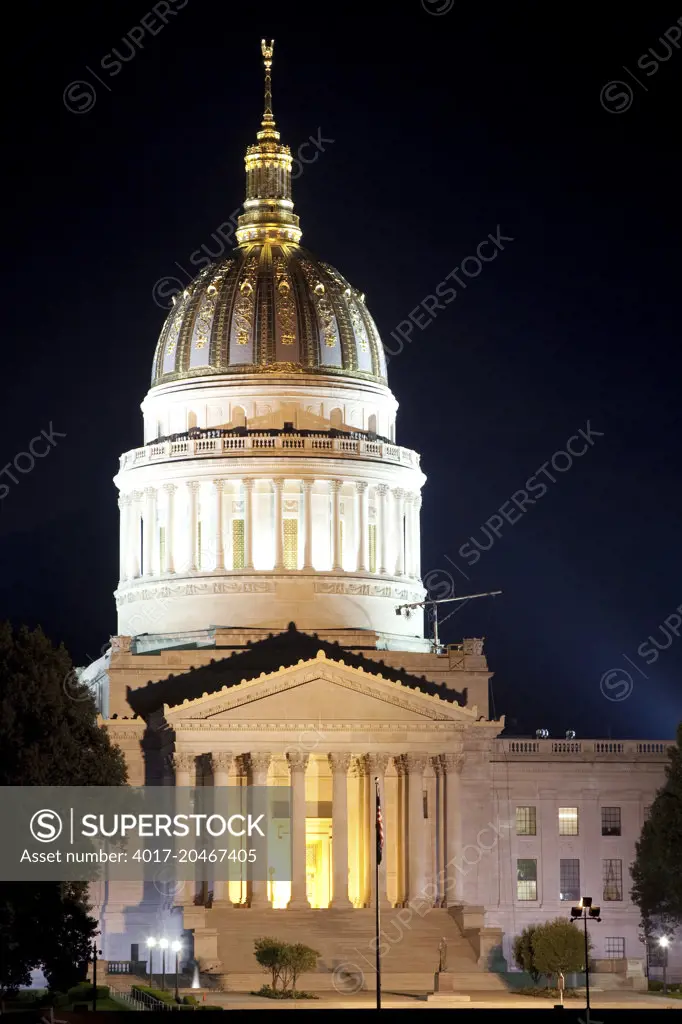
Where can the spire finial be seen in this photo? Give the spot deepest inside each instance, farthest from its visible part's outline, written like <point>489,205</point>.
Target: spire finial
<point>267,51</point>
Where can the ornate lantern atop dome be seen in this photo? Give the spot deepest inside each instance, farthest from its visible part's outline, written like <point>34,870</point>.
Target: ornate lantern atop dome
<point>268,206</point>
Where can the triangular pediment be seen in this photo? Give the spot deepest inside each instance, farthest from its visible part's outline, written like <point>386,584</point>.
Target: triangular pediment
<point>320,689</point>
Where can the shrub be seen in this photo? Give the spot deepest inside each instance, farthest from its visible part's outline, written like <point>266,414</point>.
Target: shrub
<point>270,993</point>
<point>155,993</point>
<point>83,990</point>
<point>524,951</point>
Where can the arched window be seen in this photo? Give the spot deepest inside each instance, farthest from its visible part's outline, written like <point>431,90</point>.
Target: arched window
<point>372,424</point>
<point>336,418</point>
<point>238,417</point>
<point>191,420</point>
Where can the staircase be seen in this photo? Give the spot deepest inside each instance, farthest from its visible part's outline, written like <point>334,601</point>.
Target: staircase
<point>345,941</point>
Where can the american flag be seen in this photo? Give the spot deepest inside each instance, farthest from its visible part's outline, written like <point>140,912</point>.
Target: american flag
<point>379,826</point>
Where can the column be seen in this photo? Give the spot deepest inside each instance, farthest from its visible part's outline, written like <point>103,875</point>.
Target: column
<point>362,510</point>
<point>335,486</point>
<point>149,520</point>
<point>376,767</point>
<point>278,524</point>
<point>416,537</point>
<point>403,892</point>
<point>416,763</point>
<point>409,571</point>
<point>260,763</point>
<point>170,528</point>
<point>184,771</point>
<point>219,545</point>
<point>193,487</point>
<point>399,496</point>
<point>308,524</point>
<point>248,524</point>
<point>439,872</point>
<point>382,491</point>
<point>452,766</point>
<point>340,763</point>
<point>134,538</point>
<point>124,504</point>
<point>299,897</point>
<point>221,764</point>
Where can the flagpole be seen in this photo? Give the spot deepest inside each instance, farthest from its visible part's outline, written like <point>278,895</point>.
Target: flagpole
<point>377,901</point>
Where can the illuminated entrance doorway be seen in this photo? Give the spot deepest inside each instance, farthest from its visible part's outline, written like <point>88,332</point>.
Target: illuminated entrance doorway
<point>318,861</point>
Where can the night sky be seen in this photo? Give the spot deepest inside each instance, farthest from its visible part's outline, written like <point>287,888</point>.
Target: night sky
<point>448,125</point>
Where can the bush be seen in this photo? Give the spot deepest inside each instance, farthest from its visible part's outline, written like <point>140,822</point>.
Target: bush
<point>524,951</point>
<point>155,993</point>
<point>83,990</point>
<point>277,993</point>
<point>190,1000</point>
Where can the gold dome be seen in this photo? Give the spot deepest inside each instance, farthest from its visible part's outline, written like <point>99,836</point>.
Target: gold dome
<point>271,306</point>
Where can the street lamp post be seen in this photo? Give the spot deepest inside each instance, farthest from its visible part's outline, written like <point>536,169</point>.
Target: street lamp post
<point>664,942</point>
<point>163,943</point>
<point>95,953</point>
<point>583,911</point>
<point>151,942</point>
<point>176,947</point>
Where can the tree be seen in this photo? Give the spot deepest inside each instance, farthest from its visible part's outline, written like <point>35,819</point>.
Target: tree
<point>270,954</point>
<point>298,960</point>
<point>48,737</point>
<point>524,952</point>
<point>558,948</point>
<point>657,870</point>
<point>285,961</point>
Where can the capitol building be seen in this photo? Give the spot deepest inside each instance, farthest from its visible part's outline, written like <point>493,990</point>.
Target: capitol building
<point>269,534</point>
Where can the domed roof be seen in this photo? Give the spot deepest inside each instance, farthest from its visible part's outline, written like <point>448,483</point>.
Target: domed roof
<point>269,307</point>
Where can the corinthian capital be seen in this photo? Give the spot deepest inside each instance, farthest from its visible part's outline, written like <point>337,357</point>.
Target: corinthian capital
<point>453,763</point>
<point>361,486</point>
<point>298,761</point>
<point>382,489</point>
<point>222,761</point>
<point>339,762</point>
<point>260,762</point>
<point>183,762</point>
<point>416,763</point>
<point>377,763</point>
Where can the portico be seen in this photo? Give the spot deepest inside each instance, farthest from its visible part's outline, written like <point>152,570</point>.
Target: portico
<point>357,727</point>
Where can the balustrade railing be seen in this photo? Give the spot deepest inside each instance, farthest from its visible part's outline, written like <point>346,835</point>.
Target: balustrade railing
<point>258,443</point>
<point>581,748</point>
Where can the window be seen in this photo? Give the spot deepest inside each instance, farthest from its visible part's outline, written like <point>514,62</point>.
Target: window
<point>568,821</point>
<point>237,543</point>
<point>614,947</point>
<point>372,547</point>
<point>526,879</point>
<point>569,879</point>
<point>426,804</point>
<point>612,879</point>
<point>525,821</point>
<point>610,821</point>
<point>291,543</point>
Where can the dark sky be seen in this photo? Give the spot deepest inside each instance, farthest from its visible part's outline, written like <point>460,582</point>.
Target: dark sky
<point>446,127</point>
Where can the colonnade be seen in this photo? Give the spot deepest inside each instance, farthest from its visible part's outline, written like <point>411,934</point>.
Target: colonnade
<point>338,525</point>
<point>409,830</point>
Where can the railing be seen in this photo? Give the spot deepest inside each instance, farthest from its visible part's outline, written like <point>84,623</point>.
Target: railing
<point>584,749</point>
<point>129,999</point>
<point>255,444</point>
<point>127,967</point>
